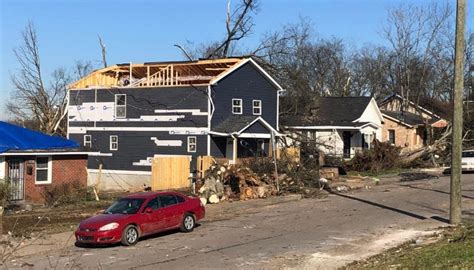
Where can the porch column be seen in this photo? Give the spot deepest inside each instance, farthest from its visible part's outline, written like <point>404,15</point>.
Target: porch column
<point>234,149</point>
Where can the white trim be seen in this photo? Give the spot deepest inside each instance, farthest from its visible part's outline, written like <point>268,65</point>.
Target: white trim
<point>52,153</point>
<point>124,106</point>
<point>208,145</point>
<point>2,168</point>
<point>88,141</point>
<point>176,130</point>
<point>68,95</point>
<point>166,142</point>
<point>192,111</point>
<point>412,103</point>
<point>265,123</point>
<point>256,107</point>
<point>119,172</point>
<point>241,106</point>
<point>111,143</point>
<point>379,114</point>
<point>189,144</point>
<point>238,65</point>
<point>49,171</point>
<point>255,135</point>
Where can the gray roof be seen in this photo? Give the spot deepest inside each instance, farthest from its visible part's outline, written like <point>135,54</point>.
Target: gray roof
<point>408,118</point>
<point>234,123</point>
<point>331,111</point>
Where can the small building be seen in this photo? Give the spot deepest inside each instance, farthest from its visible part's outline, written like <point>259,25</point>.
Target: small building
<point>341,126</point>
<point>33,161</point>
<point>407,124</point>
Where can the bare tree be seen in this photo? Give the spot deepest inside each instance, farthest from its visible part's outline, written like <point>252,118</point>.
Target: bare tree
<point>32,99</point>
<point>103,51</point>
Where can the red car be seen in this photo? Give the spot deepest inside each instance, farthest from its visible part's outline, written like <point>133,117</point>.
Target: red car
<point>137,215</point>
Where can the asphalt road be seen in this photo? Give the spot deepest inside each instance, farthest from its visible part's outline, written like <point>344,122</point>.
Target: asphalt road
<point>284,235</point>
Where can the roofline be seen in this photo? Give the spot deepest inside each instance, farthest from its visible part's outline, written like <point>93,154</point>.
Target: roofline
<point>379,113</point>
<point>397,120</point>
<point>32,153</point>
<point>240,64</point>
<point>141,87</point>
<point>412,103</point>
<point>325,127</point>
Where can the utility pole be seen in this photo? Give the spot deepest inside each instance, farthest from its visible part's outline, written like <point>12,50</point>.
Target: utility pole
<point>456,150</point>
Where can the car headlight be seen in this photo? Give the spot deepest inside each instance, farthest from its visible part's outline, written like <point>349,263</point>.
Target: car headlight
<point>109,227</point>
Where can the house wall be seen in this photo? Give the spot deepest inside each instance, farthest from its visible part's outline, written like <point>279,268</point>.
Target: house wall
<point>372,115</point>
<point>246,83</point>
<point>395,104</point>
<point>65,169</point>
<point>405,137</point>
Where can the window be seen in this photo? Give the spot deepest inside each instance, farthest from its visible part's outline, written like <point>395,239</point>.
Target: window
<point>120,106</point>
<point>391,136</point>
<point>153,204</point>
<point>257,107</point>
<point>167,200</point>
<point>88,141</point>
<point>113,142</point>
<point>43,170</point>
<point>192,144</point>
<point>236,106</point>
<point>180,199</point>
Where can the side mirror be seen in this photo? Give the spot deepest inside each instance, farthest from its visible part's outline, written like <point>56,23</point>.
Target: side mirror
<point>149,210</point>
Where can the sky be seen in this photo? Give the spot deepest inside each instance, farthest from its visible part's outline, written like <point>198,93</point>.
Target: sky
<point>146,30</point>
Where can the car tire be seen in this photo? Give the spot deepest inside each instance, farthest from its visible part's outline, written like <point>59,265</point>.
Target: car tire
<point>130,235</point>
<point>188,223</point>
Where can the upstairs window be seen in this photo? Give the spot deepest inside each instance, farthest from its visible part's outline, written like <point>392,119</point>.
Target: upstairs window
<point>192,144</point>
<point>257,107</point>
<point>113,142</point>
<point>237,106</point>
<point>391,136</point>
<point>120,106</point>
<point>88,141</point>
<point>43,170</point>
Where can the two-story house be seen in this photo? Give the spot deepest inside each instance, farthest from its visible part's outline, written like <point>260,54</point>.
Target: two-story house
<point>131,113</point>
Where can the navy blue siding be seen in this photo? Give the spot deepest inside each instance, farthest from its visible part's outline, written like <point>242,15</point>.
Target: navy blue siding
<point>136,146</point>
<point>248,84</point>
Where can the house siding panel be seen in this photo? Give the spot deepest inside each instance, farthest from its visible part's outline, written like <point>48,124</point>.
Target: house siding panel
<point>248,84</point>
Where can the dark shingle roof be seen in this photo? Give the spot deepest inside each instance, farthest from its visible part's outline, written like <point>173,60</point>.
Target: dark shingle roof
<point>331,111</point>
<point>408,118</point>
<point>234,123</point>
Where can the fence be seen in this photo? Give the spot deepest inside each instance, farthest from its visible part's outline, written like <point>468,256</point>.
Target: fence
<point>203,164</point>
<point>170,172</point>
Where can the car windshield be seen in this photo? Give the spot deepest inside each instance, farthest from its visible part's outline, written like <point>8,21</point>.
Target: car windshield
<point>468,154</point>
<point>125,206</point>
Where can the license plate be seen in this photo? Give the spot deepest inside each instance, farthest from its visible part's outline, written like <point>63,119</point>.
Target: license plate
<point>85,238</point>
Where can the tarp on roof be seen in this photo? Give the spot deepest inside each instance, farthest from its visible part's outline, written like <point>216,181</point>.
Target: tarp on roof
<point>13,137</point>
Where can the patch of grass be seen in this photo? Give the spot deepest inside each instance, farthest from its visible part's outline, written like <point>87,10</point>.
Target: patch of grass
<point>454,250</point>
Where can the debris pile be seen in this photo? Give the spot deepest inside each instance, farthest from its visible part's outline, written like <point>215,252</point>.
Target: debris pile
<point>232,182</point>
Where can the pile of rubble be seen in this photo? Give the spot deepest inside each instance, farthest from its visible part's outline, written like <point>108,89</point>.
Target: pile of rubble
<point>230,182</point>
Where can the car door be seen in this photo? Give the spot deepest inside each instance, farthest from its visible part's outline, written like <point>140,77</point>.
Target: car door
<point>153,221</point>
<point>168,204</point>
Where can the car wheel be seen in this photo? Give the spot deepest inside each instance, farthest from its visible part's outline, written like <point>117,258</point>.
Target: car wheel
<point>188,223</point>
<point>130,235</point>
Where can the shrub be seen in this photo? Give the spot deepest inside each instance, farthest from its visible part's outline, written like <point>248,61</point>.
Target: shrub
<point>64,193</point>
<point>5,192</point>
<point>382,156</point>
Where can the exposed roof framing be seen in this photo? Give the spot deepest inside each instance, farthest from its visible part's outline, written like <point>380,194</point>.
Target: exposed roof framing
<point>153,74</point>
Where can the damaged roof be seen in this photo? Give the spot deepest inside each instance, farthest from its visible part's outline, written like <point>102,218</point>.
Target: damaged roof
<point>332,111</point>
<point>409,118</point>
<point>158,74</point>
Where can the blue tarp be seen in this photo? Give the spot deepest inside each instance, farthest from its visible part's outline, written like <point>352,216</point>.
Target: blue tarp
<point>13,137</point>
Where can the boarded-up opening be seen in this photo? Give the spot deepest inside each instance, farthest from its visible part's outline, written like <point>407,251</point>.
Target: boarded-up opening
<point>170,172</point>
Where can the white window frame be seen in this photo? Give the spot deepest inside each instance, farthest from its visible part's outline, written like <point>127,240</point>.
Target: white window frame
<point>111,143</point>
<point>120,106</point>
<point>50,171</point>
<point>259,107</point>
<point>89,141</point>
<point>190,143</point>
<point>241,107</point>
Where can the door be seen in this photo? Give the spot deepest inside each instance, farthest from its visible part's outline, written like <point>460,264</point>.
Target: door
<point>169,210</point>
<point>153,222</point>
<point>229,150</point>
<point>346,140</point>
<point>17,181</point>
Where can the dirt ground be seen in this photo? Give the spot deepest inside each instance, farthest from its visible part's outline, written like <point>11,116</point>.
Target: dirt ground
<point>277,234</point>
